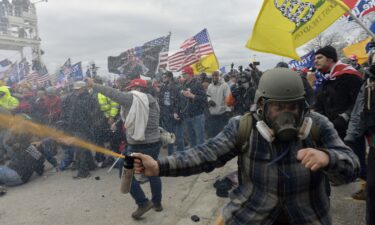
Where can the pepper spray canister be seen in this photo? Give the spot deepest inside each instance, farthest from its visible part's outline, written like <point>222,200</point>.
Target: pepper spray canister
<point>127,174</point>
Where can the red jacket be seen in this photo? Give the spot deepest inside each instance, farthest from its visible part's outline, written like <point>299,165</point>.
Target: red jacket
<point>52,106</point>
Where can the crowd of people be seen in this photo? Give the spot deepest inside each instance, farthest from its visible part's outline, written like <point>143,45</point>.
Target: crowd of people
<point>302,126</point>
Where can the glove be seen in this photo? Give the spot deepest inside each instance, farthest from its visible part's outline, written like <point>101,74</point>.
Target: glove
<point>211,103</point>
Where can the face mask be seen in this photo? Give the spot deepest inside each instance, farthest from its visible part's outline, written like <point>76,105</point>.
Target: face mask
<point>285,126</point>
<point>270,135</point>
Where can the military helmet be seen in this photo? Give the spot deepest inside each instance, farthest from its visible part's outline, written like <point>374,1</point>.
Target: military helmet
<point>280,84</point>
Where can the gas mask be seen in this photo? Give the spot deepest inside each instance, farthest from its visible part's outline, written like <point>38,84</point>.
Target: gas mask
<point>285,127</point>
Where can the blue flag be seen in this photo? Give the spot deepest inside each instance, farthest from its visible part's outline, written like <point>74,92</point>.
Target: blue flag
<point>76,72</point>
<point>222,69</point>
<point>13,76</point>
<point>372,27</point>
<point>307,61</point>
<point>5,62</point>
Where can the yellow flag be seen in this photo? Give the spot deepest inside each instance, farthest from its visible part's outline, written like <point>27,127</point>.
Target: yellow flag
<point>358,49</point>
<point>284,25</point>
<point>207,64</point>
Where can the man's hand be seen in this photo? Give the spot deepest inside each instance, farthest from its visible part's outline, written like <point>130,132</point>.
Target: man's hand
<point>89,81</point>
<point>211,103</point>
<point>313,159</point>
<point>175,116</point>
<point>145,164</point>
<point>188,94</point>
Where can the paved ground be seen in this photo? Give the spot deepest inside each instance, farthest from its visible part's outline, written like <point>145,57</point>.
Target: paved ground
<point>57,199</point>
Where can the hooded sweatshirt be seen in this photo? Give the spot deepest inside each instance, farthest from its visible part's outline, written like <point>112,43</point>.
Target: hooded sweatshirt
<point>151,133</point>
<point>8,102</point>
<point>218,93</point>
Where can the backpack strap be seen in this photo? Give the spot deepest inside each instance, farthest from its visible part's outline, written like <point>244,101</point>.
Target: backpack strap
<point>242,141</point>
<point>244,130</point>
<point>315,134</point>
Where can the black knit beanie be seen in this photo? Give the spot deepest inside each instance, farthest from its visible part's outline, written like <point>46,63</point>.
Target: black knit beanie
<point>329,52</point>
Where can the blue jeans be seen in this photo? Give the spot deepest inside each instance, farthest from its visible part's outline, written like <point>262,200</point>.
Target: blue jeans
<point>169,124</point>
<point>179,133</point>
<point>136,191</point>
<point>9,177</point>
<point>215,124</point>
<point>68,157</point>
<point>49,151</point>
<point>196,129</point>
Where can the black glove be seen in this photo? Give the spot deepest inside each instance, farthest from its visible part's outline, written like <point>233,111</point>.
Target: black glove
<point>211,103</point>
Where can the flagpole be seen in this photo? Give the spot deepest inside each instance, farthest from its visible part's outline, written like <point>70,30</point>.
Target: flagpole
<point>208,36</point>
<point>345,7</point>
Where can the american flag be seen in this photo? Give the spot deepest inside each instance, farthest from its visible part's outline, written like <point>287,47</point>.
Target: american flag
<point>163,55</point>
<point>359,7</point>
<point>40,76</point>
<point>191,51</point>
<point>141,60</point>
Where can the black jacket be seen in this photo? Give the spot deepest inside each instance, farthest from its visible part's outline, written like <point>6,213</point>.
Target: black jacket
<point>22,161</point>
<point>338,96</point>
<point>188,107</point>
<point>81,115</point>
<point>166,111</point>
<point>244,98</point>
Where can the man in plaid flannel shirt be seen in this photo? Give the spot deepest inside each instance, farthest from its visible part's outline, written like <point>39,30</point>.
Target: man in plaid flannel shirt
<point>283,173</point>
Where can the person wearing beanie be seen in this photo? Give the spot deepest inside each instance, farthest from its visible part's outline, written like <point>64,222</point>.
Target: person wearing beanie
<point>338,93</point>
<point>337,96</point>
<point>329,52</point>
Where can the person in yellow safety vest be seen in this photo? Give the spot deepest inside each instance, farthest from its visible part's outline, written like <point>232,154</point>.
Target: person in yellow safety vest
<point>110,110</point>
<point>7,101</point>
<point>108,107</point>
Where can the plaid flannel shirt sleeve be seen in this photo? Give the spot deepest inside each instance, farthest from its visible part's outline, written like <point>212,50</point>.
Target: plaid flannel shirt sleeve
<point>344,164</point>
<point>212,154</point>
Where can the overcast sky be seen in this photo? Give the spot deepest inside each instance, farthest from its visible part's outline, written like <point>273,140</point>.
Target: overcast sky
<point>95,29</point>
<point>86,30</point>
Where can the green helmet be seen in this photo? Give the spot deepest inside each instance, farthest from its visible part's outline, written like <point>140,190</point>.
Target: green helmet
<point>280,84</point>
